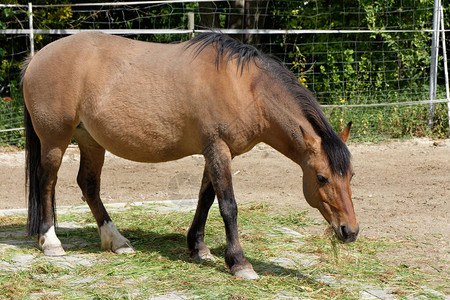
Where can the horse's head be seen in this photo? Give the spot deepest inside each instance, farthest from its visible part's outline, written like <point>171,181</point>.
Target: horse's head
<point>327,189</point>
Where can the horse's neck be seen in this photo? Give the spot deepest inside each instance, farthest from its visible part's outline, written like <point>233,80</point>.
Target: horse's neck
<point>285,118</point>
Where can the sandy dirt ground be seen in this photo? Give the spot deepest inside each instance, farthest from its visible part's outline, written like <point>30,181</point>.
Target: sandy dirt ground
<point>401,190</point>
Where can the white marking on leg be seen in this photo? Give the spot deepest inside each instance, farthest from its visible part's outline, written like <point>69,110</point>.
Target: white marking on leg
<point>113,240</point>
<point>50,244</point>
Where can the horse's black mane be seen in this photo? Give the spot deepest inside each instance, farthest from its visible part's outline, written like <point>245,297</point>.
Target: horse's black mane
<point>228,48</point>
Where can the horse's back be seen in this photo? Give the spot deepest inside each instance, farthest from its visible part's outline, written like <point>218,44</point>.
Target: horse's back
<point>142,101</point>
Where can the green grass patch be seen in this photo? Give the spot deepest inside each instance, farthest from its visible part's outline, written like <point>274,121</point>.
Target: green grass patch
<point>162,265</point>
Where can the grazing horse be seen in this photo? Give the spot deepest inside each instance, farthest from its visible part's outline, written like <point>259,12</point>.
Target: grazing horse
<point>151,102</point>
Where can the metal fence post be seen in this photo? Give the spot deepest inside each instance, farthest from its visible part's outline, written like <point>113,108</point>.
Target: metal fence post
<point>444,51</point>
<point>434,60</point>
<point>191,24</point>
<point>30,18</point>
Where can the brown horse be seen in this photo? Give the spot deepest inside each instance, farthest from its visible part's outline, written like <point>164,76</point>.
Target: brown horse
<point>158,102</point>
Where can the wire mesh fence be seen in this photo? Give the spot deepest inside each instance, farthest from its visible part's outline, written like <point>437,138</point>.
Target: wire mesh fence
<point>365,62</point>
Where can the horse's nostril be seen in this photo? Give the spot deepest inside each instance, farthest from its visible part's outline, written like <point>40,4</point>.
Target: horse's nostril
<point>344,232</point>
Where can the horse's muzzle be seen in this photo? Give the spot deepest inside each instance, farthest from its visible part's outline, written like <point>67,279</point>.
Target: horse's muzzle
<point>347,234</point>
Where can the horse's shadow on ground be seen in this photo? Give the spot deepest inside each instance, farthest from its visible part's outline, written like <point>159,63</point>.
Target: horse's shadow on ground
<point>171,246</point>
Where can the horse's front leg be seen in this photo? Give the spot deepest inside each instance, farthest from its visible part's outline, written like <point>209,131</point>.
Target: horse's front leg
<point>196,233</point>
<point>218,162</point>
<point>91,162</point>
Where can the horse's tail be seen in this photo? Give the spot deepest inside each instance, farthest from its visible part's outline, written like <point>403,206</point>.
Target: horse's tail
<point>32,162</point>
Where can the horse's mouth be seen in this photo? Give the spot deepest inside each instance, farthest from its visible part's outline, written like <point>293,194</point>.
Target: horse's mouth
<point>345,234</point>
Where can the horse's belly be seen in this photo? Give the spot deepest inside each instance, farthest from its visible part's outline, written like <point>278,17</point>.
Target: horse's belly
<point>149,150</point>
<point>144,141</point>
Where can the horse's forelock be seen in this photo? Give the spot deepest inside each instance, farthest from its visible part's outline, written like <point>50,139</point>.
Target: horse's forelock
<point>338,154</point>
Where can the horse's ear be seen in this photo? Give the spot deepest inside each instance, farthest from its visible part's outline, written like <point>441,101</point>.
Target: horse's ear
<point>346,132</point>
<point>311,143</point>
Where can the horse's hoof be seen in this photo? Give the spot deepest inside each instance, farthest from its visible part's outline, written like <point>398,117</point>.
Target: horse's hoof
<point>204,257</point>
<point>249,274</point>
<point>124,249</point>
<point>50,244</point>
<point>207,257</point>
<point>201,256</point>
<point>54,251</point>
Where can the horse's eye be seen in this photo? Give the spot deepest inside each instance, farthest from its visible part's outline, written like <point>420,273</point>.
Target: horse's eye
<point>322,179</point>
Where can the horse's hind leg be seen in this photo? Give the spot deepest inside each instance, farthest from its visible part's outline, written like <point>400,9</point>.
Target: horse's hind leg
<point>51,157</point>
<point>91,163</point>
<point>196,233</point>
